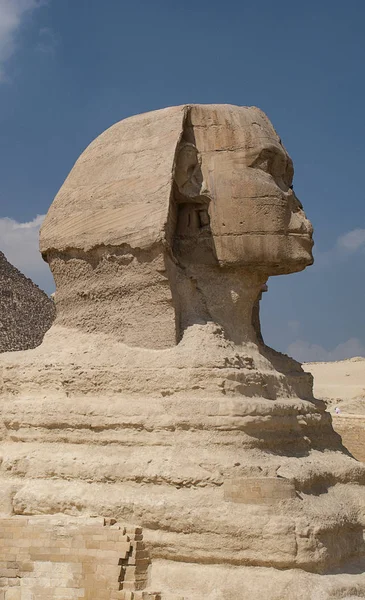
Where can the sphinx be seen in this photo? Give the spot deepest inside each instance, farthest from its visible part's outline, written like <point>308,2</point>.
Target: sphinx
<point>153,398</point>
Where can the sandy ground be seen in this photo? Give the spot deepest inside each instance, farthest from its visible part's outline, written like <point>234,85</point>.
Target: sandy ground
<point>340,383</point>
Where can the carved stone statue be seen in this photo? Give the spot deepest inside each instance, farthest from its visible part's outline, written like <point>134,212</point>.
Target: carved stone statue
<point>153,398</point>
<point>207,192</point>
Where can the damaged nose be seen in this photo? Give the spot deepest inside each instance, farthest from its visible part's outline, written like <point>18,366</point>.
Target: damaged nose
<point>300,224</point>
<point>298,221</point>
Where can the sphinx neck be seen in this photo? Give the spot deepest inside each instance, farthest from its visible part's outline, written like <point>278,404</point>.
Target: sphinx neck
<point>149,301</point>
<point>227,297</point>
<point>123,294</point>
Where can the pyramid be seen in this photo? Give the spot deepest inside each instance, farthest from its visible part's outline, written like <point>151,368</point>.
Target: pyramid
<point>26,312</point>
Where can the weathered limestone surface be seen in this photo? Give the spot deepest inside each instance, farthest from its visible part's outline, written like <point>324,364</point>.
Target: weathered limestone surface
<point>153,398</point>
<point>26,312</point>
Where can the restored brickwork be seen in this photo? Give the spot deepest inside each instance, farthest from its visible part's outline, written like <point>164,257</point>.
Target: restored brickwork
<point>352,430</point>
<point>49,558</point>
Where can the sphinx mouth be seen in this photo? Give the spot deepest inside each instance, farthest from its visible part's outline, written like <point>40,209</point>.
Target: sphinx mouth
<point>306,237</point>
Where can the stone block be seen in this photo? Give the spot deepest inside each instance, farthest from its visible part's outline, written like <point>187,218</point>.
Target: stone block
<point>258,490</point>
<point>9,572</point>
<point>13,594</point>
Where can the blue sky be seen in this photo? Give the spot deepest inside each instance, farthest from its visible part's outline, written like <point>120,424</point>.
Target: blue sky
<point>71,68</point>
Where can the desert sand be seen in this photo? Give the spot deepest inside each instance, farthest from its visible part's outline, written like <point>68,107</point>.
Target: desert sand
<point>341,384</point>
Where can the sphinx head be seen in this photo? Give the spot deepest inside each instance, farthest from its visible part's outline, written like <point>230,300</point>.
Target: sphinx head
<point>234,180</point>
<point>173,218</point>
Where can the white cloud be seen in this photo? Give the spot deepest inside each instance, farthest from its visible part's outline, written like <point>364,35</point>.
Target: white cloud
<point>306,352</point>
<point>12,13</point>
<point>352,241</point>
<point>19,243</point>
<point>347,244</point>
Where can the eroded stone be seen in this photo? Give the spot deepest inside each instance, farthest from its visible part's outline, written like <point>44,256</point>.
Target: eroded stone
<point>154,390</point>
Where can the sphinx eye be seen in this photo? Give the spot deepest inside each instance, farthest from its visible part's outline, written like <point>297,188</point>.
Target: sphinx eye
<point>271,161</point>
<point>264,161</point>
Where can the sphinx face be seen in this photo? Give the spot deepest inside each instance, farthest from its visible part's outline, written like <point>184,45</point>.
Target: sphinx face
<point>234,182</point>
<point>258,219</point>
<point>255,218</point>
